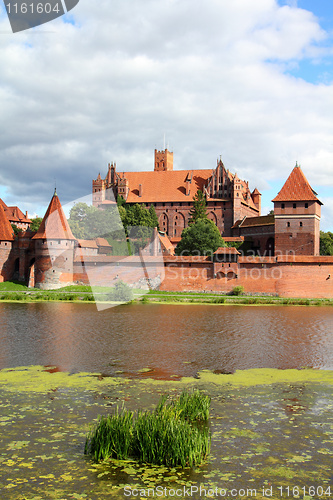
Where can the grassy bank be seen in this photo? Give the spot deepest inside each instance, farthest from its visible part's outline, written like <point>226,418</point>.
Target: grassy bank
<point>18,292</point>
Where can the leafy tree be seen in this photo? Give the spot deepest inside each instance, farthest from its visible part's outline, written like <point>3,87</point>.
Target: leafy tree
<point>35,223</point>
<point>326,243</point>
<point>200,238</point>
<point>199,208</point>
<point>88,222</point>
<point>153,217</point>
<point>16,230</point>
<point>121,202</point>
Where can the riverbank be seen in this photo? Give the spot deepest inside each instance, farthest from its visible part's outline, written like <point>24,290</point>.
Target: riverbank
<point>17,292</point>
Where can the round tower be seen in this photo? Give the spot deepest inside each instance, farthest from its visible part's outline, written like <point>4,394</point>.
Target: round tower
<point>54,249</point>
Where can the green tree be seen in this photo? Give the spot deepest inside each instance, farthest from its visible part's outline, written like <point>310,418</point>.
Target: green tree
<point>199,208</point>
<point>16,230</point>
<point>200,238</point>
<point>153,217</point>
<point>88,222</point>
<point>35,223</point>
<point>326,243</point>
<point>121,202</point>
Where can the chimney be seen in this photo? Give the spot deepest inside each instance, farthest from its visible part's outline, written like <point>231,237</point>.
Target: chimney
<point>188,188</point>
<point>140,190</point>
<point>26,214</point>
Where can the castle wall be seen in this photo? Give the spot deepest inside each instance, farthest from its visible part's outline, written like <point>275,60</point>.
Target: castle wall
<point>306,277</point>
<point>6,261</point>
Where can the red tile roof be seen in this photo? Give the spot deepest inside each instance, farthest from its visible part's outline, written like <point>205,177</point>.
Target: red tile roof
<point>228,239</point>
<point>6,231</point>
<point>102,242</point>
<point>166,243</point>
<point>87,243</point>
<point>263,220</point>
<point>54,224</point>
<point>14,214</point>
<point>296,188</point>
<point>18,214</point>
<point>227,251</point>
<point>166,186</point>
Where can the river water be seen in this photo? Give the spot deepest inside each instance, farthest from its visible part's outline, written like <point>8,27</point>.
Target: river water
<point>168,340</point>
<point>269,438</point>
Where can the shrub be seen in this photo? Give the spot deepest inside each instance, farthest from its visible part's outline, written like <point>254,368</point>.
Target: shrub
<point>219,300</point>
<point>121,292</point>
<point>238,290</point>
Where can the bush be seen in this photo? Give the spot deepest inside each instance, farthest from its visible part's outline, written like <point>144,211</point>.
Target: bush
<point>120,293</point>
<point>238,290</point>
<point>219,300</point>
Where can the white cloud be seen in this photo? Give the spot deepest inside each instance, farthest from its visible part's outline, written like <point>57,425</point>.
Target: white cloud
<point>210,74</point>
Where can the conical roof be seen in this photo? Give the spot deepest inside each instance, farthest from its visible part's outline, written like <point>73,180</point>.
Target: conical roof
<point>6,230</point>
<point>54,225</point>
<point>296,188</point>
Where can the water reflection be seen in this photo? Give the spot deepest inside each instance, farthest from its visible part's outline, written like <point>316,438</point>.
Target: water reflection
<point>170,340</point>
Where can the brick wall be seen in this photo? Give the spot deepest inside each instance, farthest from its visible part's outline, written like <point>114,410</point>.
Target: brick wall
<point>307,278</point>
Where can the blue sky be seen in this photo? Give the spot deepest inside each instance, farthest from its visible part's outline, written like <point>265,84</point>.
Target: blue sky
<point>248,80</point>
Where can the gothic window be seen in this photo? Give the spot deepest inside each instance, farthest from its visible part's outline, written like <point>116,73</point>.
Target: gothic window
<point>294,205</point>
<point>282,205</point>
<point>306,205</point>
<point>288,224</point>
<point>301,224</point>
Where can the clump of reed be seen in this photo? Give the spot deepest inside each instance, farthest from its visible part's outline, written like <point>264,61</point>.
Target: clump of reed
<point>175,433</point>
<point>164,438</point>
<point>111,437</point>
<point>191,405</point>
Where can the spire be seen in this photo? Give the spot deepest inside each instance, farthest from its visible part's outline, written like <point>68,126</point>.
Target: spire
<point>296,188</point>
<point>54,225</point>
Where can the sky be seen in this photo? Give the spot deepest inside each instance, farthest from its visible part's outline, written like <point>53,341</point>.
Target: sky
<point>250,81</point>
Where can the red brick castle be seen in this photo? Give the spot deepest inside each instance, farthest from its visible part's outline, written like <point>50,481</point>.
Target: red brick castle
<point>236,211</point>
<point>284,246</point>
<point>171,193</point>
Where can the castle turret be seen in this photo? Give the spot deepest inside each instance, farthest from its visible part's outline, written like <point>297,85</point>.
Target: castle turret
<point>256,197</point>
<point>54,248</point>
<point>163,161</point>
<point>297,216</point>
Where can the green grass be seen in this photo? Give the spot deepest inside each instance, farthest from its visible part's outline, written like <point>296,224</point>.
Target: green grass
<point>111,437</point>
<point>192,406</point>
<point>12,286</point>
<point>176,433</point>
<point>164,438</point>
<point>16,291</point>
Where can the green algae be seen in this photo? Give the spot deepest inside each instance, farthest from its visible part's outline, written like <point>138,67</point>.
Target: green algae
<point>265,376</point>
<point>39,379</point>
<point>269,428</point>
